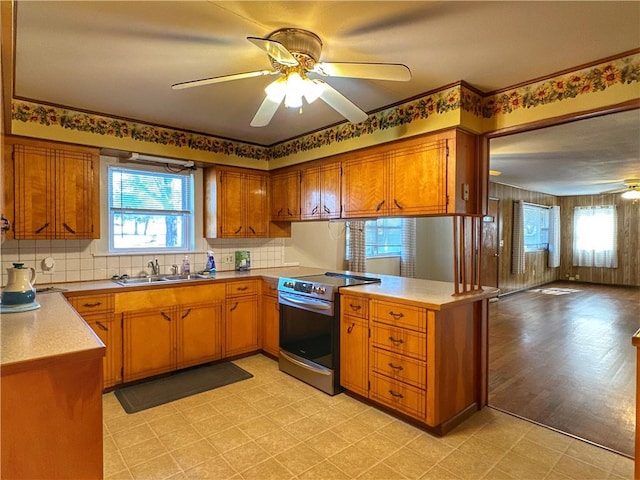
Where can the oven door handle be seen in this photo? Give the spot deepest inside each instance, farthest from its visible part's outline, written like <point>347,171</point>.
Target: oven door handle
<point>314,305</point>
<point>316,369</point>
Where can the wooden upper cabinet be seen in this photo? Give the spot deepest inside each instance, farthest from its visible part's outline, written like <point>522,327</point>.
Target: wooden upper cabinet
<point>236,203</point>
<point>419,174</point>
<point>56,191</point>
<point>365,185</point>
<point>285,196</point>
<point>320,192</point>
<point>434,174</point>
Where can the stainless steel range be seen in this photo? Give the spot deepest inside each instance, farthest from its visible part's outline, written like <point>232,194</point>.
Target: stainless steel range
<point>310,327</point>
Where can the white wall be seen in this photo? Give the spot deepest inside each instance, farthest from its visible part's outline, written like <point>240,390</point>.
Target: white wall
<point>316,244</point>
<point>434,248</point>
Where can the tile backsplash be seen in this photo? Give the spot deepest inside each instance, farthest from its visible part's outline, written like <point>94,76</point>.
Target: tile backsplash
<point>76,260</point>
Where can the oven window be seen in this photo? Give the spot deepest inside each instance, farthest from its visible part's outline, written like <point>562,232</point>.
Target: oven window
<point>309,335</point>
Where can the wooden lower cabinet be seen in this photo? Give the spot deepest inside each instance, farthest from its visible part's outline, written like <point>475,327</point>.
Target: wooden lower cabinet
<point>270,321</point>
<point>98,312</point>
<point>199,337</point>
<point>149,343</point>
<point>420,362</point>
<point>241,322</point>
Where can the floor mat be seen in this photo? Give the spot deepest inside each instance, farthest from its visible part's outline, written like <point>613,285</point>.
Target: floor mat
<point>179,385</point>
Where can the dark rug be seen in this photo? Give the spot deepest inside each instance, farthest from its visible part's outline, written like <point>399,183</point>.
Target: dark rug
<point>179,385</point>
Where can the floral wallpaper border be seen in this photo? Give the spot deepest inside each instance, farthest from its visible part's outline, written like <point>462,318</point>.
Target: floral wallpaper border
<point>625,70</point>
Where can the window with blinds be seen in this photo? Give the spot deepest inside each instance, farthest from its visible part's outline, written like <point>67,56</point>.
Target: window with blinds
<point>150,210</point>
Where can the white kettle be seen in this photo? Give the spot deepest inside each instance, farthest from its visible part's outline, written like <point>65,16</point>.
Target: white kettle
<point>19,289</point>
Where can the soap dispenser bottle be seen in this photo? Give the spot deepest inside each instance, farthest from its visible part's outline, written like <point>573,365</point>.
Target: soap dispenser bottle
<point>186,266</point>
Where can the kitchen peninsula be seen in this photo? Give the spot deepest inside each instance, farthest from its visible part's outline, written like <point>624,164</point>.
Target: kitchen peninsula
<point>47,344</point>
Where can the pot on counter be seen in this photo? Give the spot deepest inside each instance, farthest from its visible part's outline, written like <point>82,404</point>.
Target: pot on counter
<point>19,289</point>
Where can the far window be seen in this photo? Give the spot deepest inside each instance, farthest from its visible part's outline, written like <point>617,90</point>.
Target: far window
<point>150,210</point>
<point>383,237</point>
<point>595,236</point>
<point>536,227</point>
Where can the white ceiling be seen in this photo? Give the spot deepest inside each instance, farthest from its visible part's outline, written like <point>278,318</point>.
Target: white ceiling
<point>119,58</point>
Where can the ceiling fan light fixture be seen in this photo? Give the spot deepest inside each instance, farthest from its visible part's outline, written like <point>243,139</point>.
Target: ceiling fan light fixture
<point>632,194</point>
<point>277,90</point>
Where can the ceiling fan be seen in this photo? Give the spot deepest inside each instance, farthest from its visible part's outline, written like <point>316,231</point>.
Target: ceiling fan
<point>631,190</point>
<point>294,53</point>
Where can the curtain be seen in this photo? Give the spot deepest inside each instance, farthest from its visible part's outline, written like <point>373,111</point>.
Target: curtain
<point>554,237</point>
<point>356,246</point>
<point>595,232</point>
<point>408,258</point>
<point>517,238</point>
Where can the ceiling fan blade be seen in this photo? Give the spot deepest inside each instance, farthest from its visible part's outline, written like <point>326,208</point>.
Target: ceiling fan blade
<point>341,104</point>
<point>375,71</point>
<point>275,50</point>
<point>265,113</point>
<point>223,78</point>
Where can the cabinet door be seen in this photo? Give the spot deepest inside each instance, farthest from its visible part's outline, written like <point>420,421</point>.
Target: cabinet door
<point>230,205</point>
<point>270,325</point>
<point>354,348</point>
<point>330,191</point>
<point>74,194</point>
<point>149,343</point>
<point>199,334</point>
<point>365,186</point>
<point>310,193</point>
<point>109,331</point>
<point>241,322</point>
<point>285,196</point>
<point>257,206</point>
<point>34,192</point>
<point>419,179</point>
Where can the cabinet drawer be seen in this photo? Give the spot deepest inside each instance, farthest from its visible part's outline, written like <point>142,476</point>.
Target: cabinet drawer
<point>355,306</point>
<point>405,316</point>
<point>399,340</point>
<point>398,395</point>
<point>399,367</point>
<point>270,287</point>
<point>168,296</point>
<point>249,287</point>
<point>88,304</point>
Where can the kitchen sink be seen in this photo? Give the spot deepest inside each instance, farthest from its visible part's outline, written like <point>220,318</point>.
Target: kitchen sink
<point>159,278</point>
<point>140,280</point>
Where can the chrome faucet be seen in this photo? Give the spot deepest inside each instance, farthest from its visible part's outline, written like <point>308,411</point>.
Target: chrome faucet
<point>155,267</point>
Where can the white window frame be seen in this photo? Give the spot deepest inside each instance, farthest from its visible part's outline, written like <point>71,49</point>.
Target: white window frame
<point>369,243</point>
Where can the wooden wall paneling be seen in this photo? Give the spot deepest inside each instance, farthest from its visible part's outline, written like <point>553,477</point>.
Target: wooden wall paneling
<point>536,270</point>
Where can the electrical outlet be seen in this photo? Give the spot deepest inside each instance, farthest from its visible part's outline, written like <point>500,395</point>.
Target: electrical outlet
<point>228,259</point>
<point>577,276</point>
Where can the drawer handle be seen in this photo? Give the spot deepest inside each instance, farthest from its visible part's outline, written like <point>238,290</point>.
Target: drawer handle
<point>396,341</point>
<point>242,289</point>
<point>68,228</point>
<point>186,314</point>
<point>350,329</point>
<point>235,305</point>
<point>42,227</point>
<point>101,326</point>
<point>396,315</point>
<point>396,395</point>
<point>397,368</point>
<point>165,316</point>
<point>91,305</point>
<point>355,308</point>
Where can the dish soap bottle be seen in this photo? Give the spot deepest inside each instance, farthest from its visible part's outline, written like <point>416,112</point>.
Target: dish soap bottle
<point>211,263</point>
<point>186,266</point>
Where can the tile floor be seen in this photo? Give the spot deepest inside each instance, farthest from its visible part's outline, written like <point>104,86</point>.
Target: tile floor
<point>275,427</point>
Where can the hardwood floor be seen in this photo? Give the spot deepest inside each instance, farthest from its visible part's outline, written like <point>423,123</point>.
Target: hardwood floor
<point>566,361</point>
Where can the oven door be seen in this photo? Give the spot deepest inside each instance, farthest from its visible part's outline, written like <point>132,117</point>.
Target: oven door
<point>309,344</point>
